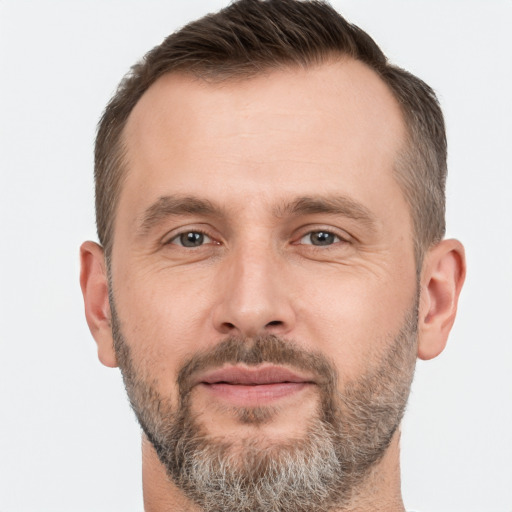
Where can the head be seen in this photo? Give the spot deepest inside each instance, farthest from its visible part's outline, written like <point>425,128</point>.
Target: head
<point>270,204</point>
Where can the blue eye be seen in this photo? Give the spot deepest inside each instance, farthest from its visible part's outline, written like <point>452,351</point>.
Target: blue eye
<point>320,238</point>
<point>191,239</point>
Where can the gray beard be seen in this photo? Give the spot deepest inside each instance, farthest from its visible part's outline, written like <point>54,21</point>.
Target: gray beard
<point>320,471</point>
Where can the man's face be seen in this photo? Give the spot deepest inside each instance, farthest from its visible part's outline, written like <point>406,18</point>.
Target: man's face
<point>263,268</point>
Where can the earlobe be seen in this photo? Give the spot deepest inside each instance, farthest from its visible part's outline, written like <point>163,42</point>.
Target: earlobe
<point>443,274</point>
<point>94,284</point>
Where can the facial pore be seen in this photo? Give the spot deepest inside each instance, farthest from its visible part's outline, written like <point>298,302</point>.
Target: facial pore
<point>322,469</point>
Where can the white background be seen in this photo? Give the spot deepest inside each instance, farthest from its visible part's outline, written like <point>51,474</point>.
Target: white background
<point>68,440</point>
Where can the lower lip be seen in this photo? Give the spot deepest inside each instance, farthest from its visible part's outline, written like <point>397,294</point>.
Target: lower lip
<point>254,395</point>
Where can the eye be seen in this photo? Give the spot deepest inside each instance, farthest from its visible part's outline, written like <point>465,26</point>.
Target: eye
<point>320,238</point>
<point>191,239</point>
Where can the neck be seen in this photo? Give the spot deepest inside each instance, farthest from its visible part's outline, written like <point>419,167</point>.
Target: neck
<point>160,494</point>
<point>380,491</point>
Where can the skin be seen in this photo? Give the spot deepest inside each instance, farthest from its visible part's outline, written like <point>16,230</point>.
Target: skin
<point>250,148</point>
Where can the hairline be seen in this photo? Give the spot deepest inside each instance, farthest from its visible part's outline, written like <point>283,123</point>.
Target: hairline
<point>405,155</point>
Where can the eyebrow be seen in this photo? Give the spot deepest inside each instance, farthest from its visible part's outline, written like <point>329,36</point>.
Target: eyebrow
<point>331,205</point>
<point>177,205</point>
<point>172,206</point>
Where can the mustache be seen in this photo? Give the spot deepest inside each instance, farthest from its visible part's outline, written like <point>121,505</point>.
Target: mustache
<point>255,351</point>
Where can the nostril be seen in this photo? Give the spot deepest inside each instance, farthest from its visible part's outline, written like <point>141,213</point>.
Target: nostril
<point>274,323</point>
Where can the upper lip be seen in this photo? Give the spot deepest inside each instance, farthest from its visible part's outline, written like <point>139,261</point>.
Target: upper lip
<point>247,376</point>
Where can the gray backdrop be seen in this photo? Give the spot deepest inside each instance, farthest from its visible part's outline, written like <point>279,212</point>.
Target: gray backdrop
<point>68,440</point>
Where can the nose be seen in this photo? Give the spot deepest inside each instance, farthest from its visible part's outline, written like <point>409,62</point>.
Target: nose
<point>254,294</point>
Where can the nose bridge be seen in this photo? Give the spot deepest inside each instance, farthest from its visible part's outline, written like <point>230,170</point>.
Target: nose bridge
<point>254,272</point>
<point>253,298</point>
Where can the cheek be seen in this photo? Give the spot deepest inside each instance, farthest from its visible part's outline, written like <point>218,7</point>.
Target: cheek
<point>164,321</point>
<point>354,318</point>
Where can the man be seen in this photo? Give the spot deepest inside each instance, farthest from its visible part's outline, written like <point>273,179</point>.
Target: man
<point>270,207</point>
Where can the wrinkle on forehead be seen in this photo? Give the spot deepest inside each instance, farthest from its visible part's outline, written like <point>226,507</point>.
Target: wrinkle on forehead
<point>344,96</point>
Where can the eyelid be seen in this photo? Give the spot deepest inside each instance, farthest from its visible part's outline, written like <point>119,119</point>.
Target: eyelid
<point>207,239</point>
<point>336,240</point>
<point>306,230</point>
<point>176,233</point>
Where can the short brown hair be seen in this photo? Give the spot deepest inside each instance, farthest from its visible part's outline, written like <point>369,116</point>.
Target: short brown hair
<point>252,36</point>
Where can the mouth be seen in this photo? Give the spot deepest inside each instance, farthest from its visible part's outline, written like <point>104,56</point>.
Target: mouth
<point>251,387</point>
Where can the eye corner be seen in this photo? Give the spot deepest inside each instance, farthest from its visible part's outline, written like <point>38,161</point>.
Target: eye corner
<point>321,238</point>
<point>190,239</point>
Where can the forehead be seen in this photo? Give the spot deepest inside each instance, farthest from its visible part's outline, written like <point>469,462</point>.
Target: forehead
<point>282,133</point>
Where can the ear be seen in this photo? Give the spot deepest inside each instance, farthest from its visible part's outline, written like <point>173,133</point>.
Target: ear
<point>94,284</point>
<point>443,273</point>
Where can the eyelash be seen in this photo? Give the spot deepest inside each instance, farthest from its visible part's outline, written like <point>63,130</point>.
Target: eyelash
<point>188,231</point>
<point>339,239</point>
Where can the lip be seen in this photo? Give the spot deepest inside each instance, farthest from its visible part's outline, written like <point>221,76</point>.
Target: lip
<point>246,386</point>
<point>257,376</point>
